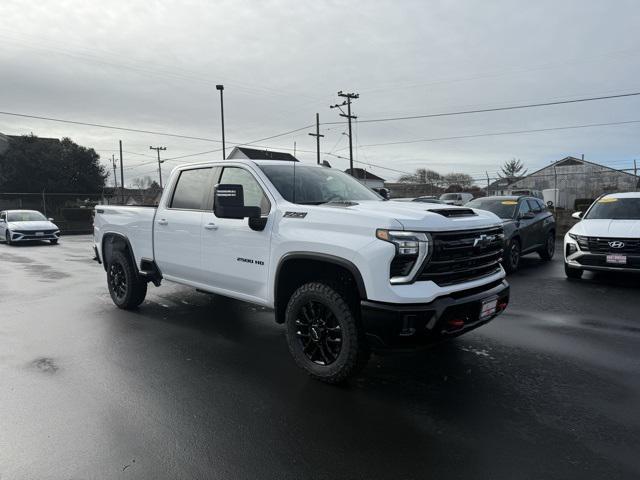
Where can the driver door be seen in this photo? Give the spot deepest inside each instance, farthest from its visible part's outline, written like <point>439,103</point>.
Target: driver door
<point>235,256</point>
<point>526,226</point>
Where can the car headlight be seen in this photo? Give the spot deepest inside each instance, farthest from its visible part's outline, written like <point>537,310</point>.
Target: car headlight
<point>412,248</point>
<point>583,242</point>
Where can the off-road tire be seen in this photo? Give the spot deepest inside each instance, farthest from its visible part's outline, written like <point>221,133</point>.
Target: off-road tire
<point>511,260</point>
<point>546,253</point>
<point>354,351</point>
<point>134,290</point>
<point>574,273</point>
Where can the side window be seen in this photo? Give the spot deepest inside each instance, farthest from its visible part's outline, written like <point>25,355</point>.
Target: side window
<point>543,207</point>
<point>191,190</point>
<point>524,207</point>
<point>253,194</point>
<point>3,215</point>
<point>534,205</point>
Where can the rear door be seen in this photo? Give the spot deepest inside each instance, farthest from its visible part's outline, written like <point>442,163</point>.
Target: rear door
<point>235,256</point>
<point>178,226</point>
<point>527,226</point>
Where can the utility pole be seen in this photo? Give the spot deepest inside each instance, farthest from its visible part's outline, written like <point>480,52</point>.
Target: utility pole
<point>317,135</point>
<point>635,172</point>
<point>221,89</point>
<point>349,117</point>
<point>115,175</point>
<point>121,173</point>
<point>157,149</point>
<point>488,182</point>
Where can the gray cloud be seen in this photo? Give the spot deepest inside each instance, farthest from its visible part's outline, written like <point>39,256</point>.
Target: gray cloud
<point>154,66</point>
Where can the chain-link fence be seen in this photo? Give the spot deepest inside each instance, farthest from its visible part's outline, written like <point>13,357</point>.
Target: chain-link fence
<point>73,212</point>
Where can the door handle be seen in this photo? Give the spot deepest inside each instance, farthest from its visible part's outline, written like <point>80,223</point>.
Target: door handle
<point>163,222</point>
<point>211,226</point>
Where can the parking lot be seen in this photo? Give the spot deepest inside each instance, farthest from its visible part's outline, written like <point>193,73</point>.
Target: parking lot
<point>199,386</point>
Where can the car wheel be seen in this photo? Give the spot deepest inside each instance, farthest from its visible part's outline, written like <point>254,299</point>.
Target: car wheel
<point>512,256</point>
<point>324,336</point>
<point>126,289</point>
<point>571,272</point>
<point>549,249</point>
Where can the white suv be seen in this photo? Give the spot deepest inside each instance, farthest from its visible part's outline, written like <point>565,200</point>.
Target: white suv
<point>607,236</point>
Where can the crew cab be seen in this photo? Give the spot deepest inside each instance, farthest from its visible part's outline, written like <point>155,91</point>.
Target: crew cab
<point>344,269</point>
<point>607,237</point>
<point>529,227</point>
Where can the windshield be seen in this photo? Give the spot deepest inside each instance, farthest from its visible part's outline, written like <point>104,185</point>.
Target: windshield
<point>316,185</point>
<point>502,207</point>
<point>25,217</point>
<point>612,208</point>
<point>449,196</point>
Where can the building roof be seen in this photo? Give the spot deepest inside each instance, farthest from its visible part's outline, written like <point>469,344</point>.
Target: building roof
<point>255,154</point>
<point>573,161</point>
<point>362,174</point>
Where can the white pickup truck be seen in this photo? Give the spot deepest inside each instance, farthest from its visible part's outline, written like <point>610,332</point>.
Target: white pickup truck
<point>345,270</point>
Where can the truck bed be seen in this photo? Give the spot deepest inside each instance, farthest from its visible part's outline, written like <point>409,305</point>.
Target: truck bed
<point>135,223</point>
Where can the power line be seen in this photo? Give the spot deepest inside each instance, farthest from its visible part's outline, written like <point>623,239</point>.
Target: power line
<point>513,132</point>
<point>495,109</point>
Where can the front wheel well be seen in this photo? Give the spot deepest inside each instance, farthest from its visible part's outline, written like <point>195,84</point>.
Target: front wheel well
<point>112,242</point>
<point>295,272</point>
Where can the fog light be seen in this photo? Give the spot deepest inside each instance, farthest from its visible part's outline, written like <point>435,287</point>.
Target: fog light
<point>571,248</point>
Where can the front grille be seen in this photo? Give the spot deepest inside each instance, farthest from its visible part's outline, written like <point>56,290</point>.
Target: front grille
<point>463,256</point>
<point>33,232</point>
<point>601,245</point>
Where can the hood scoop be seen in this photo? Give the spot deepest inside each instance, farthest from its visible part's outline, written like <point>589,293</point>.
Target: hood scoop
<point>453,212</point>
<point>341,203</point>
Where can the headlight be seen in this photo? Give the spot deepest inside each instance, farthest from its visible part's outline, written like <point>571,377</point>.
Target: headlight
<point>583,242</point>
<point>411,250</point>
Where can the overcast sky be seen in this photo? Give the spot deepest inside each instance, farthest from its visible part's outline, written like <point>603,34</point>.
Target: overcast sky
<point>153,65</point>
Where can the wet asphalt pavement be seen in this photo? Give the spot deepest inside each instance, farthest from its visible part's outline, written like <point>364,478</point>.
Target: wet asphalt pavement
<point>199,386</point>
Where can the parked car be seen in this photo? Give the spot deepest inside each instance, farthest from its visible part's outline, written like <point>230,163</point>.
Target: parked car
<point>456,198</point>
<point>344,270</point>
<point>607,237</point>
<point>528,227</point>
<point>27,225</point>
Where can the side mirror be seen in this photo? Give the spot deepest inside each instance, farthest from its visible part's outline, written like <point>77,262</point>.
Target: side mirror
<point>229,202</point>
<point>50,219</point>
<point>577,215</point>
<point>383,192</point>
<point>527,216</point>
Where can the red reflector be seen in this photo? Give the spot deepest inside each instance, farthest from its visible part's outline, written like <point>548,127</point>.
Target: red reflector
<point>502,305</point>
<point>456,323</point>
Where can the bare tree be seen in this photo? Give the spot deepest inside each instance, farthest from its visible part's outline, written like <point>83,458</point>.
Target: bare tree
<point>422,175</point>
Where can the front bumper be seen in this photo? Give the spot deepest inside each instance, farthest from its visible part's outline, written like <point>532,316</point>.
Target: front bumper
<point>405,326</point>
<point>576,258</point>
<point>35,235</point>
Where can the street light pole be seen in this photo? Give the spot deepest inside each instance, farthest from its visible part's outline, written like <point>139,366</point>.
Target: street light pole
<point>221,88</point>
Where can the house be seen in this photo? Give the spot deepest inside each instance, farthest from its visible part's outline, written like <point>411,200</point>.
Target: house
<point>501,186</point>
<point>366,178</point>
<point>576,179</point>
<point>244,153</point>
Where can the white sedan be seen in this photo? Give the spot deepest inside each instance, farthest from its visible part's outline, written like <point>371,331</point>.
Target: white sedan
<point>607,236</point>
<point>27,225</point>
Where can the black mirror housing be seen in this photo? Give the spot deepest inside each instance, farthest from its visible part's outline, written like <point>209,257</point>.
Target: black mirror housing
<point>528,215</point>
<point>229,202</point>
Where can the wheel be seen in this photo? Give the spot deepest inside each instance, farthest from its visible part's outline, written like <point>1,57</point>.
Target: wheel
<point>512,256</point>
<point>546,252</point>
<point>573,272</point>
<point>126,289</point>
<point>7,237</point>
<point>54,241</point>
<point>324,336</point>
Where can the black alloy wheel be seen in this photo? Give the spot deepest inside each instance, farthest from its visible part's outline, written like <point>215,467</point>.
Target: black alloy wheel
<point>512,256</point>
<point>549,249</point>
<point>118,280</point>
<point>319,333</point>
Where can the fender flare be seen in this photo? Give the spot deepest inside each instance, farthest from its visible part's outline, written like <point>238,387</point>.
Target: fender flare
<point>119,236</point>
<point>323,257</point>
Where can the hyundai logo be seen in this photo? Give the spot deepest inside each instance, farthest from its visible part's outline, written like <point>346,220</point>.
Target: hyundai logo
<point>616,244</point>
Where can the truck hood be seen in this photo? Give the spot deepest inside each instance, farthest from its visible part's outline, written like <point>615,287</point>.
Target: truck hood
<point>37,225</point>
<point>607,228</point>
<point>421,216</point>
